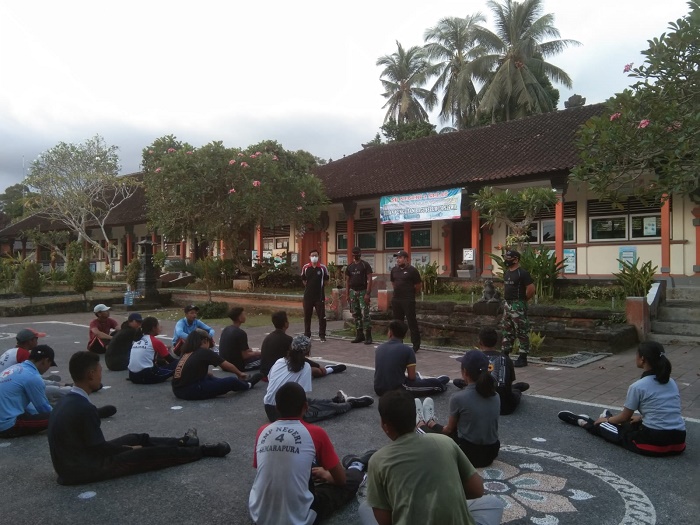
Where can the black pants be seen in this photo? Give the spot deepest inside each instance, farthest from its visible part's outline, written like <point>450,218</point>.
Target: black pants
<point>328,498</point>
<point>320,306</point>
<point>403,308</point>
<point>154,454</point>
<point>479,455</point>
<point>27,424</point>
<point>640,439</point>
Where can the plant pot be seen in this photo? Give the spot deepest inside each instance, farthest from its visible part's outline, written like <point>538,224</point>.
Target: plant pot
<point>466,274</point>
<point>637,313</point>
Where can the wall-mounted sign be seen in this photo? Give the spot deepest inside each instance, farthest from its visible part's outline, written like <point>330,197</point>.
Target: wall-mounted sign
<point>627,254</point>
<point>426,206</point>
<point>569,260</point>
<point>468,255</point>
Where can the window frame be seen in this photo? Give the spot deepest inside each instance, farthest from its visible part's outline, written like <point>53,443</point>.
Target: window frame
<point>428,246</point>
<point>632,216</point>
<point>624,216</point>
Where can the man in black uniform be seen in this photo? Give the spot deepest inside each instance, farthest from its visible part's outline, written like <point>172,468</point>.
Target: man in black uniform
<point>407,283</point>
<point>358,290</point>
<point>276,344</point>
<point>314,276</point>
<point>119,347</point>
<point>518,290</point>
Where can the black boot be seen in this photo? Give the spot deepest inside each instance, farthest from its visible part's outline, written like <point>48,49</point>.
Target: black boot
<point>521,361</point>
<point>368,336</point>
<point>359,337</point>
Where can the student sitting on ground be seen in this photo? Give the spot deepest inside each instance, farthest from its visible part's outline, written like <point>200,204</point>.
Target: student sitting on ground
<point>79,451</point>
<point>146,351</point>
<point>233,343</point>
<point>395,366</point>
<point>186,326</point>
<point>101,329</point>
<point>660,429</point>
<point>295,369</point>
<point>422,478</point>
<point>474,411</point>
<point>502,370</point>
<point>119,347</point>
<point>192,379</point>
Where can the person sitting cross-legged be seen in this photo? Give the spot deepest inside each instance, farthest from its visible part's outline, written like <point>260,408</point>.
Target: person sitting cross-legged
<point>79,451</point>
<point>233,343</point>
<point>422,478</point>
<point>147,354</point>
<point>101,329</point>
<point>299,478</point>
<point>119,347</point>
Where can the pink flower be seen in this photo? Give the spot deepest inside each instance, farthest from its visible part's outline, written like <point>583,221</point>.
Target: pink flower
<point>158,170</point>
<point>188,153</point>
<point>171,150</point>
<point>274,157</point>
<point>643,124</point>
<point>258,153</point>
<point>628,67</point>
<point>303,194</point>
<point>232,190</point>
<point>240,154</point>
<point>299,208</point>
<point>252,156</point>
<point>256,183</point>
<point>244,164</point>
<point>615,116</point>
<point>231,162</point>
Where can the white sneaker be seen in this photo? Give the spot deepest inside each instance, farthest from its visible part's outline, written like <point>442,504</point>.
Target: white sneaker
<point>428,410</point>
<point>419,413</point>
<point>606,413</point>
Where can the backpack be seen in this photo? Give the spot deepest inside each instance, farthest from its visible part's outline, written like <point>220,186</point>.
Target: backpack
<point>498,366</point>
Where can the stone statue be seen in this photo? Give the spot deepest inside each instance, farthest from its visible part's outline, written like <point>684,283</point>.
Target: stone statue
<point>490,293</point>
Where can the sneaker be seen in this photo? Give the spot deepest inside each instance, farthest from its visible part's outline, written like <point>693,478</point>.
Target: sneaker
<point>190,439</point>
<point>364,459</point>
<point>461,383</point>
<point>574,419</point>
<point>420,420</point>
<point>521,361</point>
<point>428,410</point>
<point>216,450</point>
<point>254,379</point>
<point>337,369</point>
<point>106,411</point>
<point>340,397</point>
<point>606,413</point>
<point>521,386</point>
<point>360,402</point>
<point>443,379</point>
<point>322,338</point>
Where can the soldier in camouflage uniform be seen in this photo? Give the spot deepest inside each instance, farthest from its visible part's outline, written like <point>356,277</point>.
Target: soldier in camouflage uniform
<point>358,286</point>
<point>518,290</point>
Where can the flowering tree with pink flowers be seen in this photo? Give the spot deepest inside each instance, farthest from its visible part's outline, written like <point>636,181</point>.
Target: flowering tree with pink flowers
<point>647,143</point>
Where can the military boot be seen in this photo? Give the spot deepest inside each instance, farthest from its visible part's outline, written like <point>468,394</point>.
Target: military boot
<point>368,336</point>
<point>359,337</point>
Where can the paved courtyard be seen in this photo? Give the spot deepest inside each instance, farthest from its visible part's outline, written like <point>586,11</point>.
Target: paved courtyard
<point>548,472</point>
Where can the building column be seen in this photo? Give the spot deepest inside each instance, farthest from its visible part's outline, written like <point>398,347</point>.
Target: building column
<point>559,227</point>
<point>351,236</point>
<point>447,239</point>
<point>696,223</point>
<point>24,248</point>
<point>259,240</point>
<point>407,239</point>
<point>154,240</point>
<point>324,246</point>
<point>37,254</point>
<point>129,253</point>
<point>183,249</point>
<point>475,238</point>
<point>666,236</point>
<point>222,249</point>
<point>486,246</point>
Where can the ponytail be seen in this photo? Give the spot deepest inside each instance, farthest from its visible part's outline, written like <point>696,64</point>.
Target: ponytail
<point>147,326</point>
<point>295,360</point>
<point>654,354</point>
<point>485,384</point>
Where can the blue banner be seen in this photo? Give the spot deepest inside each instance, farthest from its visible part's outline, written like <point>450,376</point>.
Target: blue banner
<point>426,206</point>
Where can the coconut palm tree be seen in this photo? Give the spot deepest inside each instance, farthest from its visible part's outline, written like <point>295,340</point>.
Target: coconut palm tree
<point>405,71</point>
<point>515,57</point>
<point>453,44</point>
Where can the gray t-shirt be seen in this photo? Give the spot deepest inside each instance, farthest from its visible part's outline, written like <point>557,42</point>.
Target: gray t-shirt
<point>660,405</point>
<point>390,362</point>
<point>478,416</point>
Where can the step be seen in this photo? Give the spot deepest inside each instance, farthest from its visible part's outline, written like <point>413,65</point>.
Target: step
<point>679,311</point>
<point>668,339</point>
<point>680,328</point>
<point>687,293</point>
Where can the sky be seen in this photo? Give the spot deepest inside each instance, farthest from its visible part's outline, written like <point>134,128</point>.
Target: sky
<point>303,73</point>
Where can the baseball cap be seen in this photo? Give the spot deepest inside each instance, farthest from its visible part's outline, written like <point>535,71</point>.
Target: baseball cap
<point>135,317</point>
<point>401,253</point>
<point>512,254</point>
<point>301,343</point>
<point>191,307</point>
<point>41,352</point>
<point>27,334</point>
<point>100,308</point>
<point>356,249</point>
<point>474,362</point>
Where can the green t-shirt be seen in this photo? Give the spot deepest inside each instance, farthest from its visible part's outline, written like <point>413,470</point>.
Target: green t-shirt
<point>419,478</point>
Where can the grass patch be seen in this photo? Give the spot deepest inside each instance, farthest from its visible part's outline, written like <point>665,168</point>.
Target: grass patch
<point>254,318</point>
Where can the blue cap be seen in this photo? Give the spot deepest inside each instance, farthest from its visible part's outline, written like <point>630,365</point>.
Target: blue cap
<point>474,362</point>
<point>135,317</point>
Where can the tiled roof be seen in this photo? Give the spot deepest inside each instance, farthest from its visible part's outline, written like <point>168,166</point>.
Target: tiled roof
<point>537,145</point>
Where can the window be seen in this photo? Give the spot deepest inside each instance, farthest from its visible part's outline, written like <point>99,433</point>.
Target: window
<point>631,219</point>
<point>365,240</point>
<point>608,228</point>
<point>548,228</point>
<point>393,239</point>
<point>342,242</point>
<point>268,244</point>
<point>645,227</point>
<point>420,238</point>
<point>282,243</point>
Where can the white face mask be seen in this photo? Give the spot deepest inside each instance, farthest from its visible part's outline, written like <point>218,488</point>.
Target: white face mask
<point>314,259</point>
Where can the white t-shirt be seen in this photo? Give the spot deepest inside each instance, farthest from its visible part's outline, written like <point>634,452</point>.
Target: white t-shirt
<point>9,358</point>
<point>143,353</point>
<point>279,375</point>
<point>285,452</point>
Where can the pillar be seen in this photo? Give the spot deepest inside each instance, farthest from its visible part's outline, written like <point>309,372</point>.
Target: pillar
<point>259,240</point>
<point>407,239</point>
<point>24,248</point>
<point>351,236</point>
<point>666,235</point>
<point>559,227</point>
<point>696,223</point>
<point>222,249</point>
<point>154,240</point>
<point>447,240</point>
<point>324,246</point>
<point>129,251</point>
<point>183,249</point>
<point>475,237</point>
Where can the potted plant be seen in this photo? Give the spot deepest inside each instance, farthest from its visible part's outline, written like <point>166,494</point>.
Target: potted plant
<point>637,281</point>
<point>466,270</point>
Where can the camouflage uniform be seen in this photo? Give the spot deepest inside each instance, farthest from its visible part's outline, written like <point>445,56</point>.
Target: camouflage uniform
<point>359,309</point>
<point>515,325</point>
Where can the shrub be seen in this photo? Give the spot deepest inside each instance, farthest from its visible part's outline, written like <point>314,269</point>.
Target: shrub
<point>544,269</point>
<point>636,281</point>
<point>429,276</point>
<point>30,280</point>
<point>159,261</point>
<point>213,310</point>
<point>83,280</point>
<point>132,272</point>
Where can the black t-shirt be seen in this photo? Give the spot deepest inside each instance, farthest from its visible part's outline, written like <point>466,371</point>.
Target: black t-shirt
<point>232,344</point>
<point>314,279</point>
<point>194,366</point>
<point>390,362</point>
<point>358,272</point>
<point>405,280</point>
<point>119,348</point>
<point>275,346</point>
<point>515,283</point>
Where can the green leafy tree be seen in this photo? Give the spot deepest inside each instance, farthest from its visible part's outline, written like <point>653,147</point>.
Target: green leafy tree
<point>30,281</point>
<point>78,186</point>
<point>516,209</point>
<point>514,62</point>
<point>646,144</point>
<point>404,74</point>
<point>401,131</point>
<point>83,281</point>
<point>453,44</point>
<point>14,202</point>
<point>133,269</point>
<point>55,240</point>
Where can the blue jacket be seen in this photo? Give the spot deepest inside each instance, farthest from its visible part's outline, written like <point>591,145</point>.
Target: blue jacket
<point>183,329</point>
<point>21,390</point>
